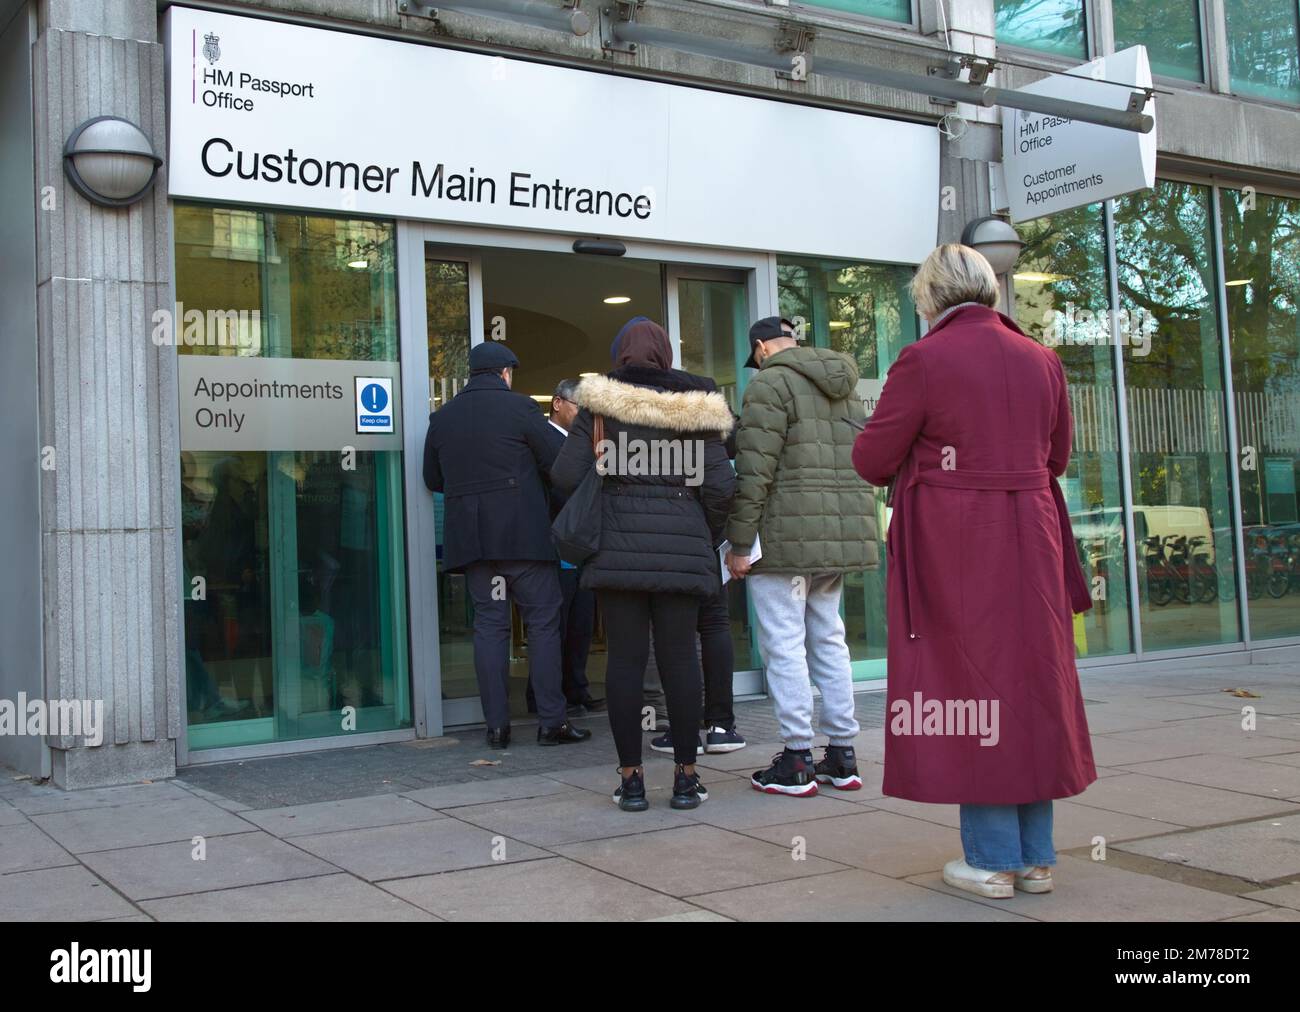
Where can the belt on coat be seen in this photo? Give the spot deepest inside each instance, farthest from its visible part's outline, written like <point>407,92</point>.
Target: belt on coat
<point>990,481</point>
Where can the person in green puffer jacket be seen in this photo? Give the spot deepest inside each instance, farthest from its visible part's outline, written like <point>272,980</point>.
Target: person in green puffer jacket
<point>814,520</point>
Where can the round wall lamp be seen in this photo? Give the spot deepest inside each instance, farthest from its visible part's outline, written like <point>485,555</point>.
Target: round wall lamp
<point>996,239</point>
<point>110,161</point>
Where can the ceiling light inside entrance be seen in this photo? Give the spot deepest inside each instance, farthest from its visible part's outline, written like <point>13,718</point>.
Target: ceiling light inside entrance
<point>617,300</point>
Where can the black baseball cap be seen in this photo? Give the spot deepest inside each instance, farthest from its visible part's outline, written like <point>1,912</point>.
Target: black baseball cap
<point>764,330</point>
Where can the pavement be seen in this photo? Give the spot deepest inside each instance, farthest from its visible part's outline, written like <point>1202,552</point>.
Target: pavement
<point>1193,818</point>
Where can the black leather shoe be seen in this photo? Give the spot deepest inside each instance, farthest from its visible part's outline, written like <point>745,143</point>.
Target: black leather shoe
<point>594,705</point>
<point>498,737</point>
<point>565,734</point>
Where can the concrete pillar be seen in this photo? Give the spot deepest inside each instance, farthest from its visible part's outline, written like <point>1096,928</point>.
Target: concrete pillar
<point>110,585</point>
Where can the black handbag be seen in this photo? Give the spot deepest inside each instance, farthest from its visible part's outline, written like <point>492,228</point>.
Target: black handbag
<point>576,531</point>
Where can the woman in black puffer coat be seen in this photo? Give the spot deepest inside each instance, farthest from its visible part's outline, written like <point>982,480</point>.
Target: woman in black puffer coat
<point>666,493</point>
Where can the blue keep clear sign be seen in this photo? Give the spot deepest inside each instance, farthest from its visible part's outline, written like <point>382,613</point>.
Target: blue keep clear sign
<point>374,403</point>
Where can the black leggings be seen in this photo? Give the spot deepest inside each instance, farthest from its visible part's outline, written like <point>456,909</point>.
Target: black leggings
<point>628,615</point>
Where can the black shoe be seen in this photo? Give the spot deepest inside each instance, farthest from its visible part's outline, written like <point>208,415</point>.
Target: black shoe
<point>839,768</point>
<point>565,734</point>
<point>723,739</point>
<point>575,710</point>
<point>594,705</point>
<point>498,737</point>
<point>664,743</point>
<point>688,792</point>
<point>630,795</point>
<point>790,773</point>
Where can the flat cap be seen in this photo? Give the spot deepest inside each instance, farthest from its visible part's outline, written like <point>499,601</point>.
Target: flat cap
<point>491,357</point>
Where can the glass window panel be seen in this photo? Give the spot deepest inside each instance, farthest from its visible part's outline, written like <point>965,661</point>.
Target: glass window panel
<point>1053,26</point>
<point>1171,31</point>
<point>889,10</point>
<point>1264,48</point>
<point>1060,300</point>
<point>715,342</point>
<point>1178,437</point>
<point>866,311</point>
<point>303,612</point>
<point>1261,258</point>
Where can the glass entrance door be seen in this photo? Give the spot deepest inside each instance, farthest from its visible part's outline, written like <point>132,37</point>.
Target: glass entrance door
<point>559,312</point>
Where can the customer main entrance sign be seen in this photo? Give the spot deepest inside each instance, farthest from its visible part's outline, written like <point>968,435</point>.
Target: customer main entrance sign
<point>294,116</point>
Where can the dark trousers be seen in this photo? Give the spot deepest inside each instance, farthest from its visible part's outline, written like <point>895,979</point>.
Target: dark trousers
<point>719,657</point>
<point>534,589</point>
<point>577,619</point>
<point>628,619</point>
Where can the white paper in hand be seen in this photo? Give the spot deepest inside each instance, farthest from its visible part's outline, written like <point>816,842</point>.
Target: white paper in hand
<point>755,554</point>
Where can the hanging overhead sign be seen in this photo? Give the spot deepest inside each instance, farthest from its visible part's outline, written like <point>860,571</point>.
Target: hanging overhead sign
<point>286,115</point>
<point>1053,163</point>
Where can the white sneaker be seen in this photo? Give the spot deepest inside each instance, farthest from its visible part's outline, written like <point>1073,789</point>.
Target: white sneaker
<point>1033,885</point>
<point>960,875</point>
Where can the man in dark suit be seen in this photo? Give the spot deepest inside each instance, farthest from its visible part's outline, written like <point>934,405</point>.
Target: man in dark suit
<point>489,452</point>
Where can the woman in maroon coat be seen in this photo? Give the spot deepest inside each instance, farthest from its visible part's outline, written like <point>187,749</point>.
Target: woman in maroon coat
<point>972,430</point>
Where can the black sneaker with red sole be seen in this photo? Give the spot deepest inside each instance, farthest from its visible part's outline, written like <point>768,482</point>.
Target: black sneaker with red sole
<point>791,773</point>
<point>839,768</point>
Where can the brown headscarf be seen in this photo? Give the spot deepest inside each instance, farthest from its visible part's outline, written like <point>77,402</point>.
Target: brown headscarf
<point>642,342</point>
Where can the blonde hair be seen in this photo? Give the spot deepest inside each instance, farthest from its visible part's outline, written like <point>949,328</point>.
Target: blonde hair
<point>953,274</point>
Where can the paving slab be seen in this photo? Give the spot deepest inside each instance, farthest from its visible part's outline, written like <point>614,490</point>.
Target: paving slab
<point>1073,824</point>
<point>1282,759</point>
<point>573,817</point>
<point>1231,773</point>
<point>552,888</point>
<point>1275,914</point>
<point>334,816</point>
<point>734,804</point>
<point>1269,700</point>
<point>1278,727</point>
<point>1105,718</point>
<point>34,799</point>
<point>1260,851</point>
<point>1218,737</point>
<point>694,859</point>
<point>706,916</point>
<point>1178,803</point>
<point>415,848</point>
<point>846,896</point>
<point>10,816</point>
<point>603,779</point>
<point>1118,753</point>
<point>26,848</point>
<point>1096,891</point>
<point>322,898</point>
<point>71,893</point>
<point>755,756</point>
<point>89,829</point>
<point>170,869</point>
<point>884,842</point>
<point>484,791</point>
<point>1283,896</point>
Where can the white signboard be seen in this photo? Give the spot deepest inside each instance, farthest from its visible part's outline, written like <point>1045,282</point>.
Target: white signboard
<point>1051,163</point>
<point>285,115</point>
<point>374,404</point>
<point>246,402</point>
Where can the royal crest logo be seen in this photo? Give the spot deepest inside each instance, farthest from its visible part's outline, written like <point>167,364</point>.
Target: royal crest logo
<point>212,47</point>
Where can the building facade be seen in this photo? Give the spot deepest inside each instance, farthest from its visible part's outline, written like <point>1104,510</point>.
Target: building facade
<point>216,395</point>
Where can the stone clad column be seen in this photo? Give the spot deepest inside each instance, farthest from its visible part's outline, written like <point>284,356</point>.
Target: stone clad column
<point>110,579</point>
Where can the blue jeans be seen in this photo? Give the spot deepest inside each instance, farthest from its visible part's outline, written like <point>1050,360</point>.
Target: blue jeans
<point>1007,837</point>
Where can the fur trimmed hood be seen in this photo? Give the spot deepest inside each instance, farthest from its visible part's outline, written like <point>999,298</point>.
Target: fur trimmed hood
<point>677,411</point>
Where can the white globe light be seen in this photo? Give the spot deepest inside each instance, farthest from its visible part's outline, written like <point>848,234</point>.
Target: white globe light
<point>996,240</point>
<point>110,161</point>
